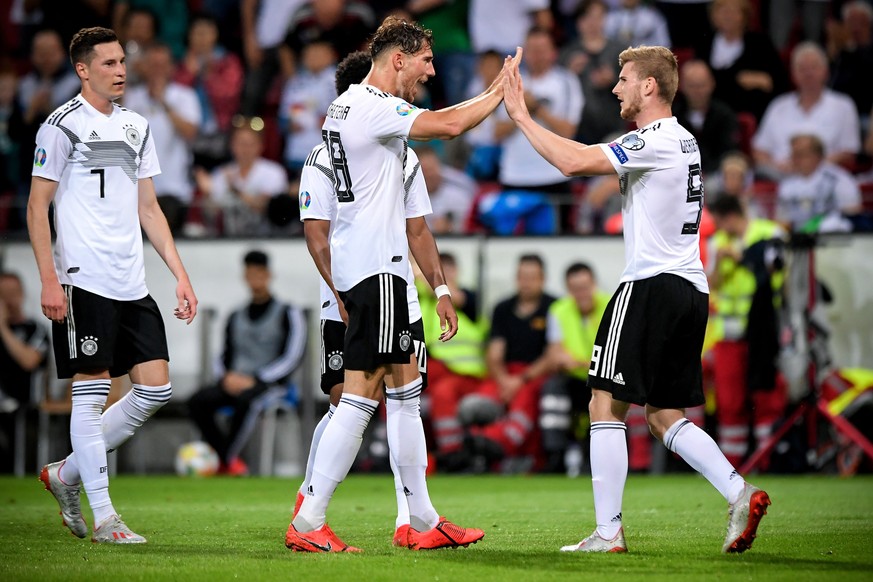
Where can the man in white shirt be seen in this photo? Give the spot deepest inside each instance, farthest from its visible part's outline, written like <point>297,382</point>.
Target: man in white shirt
<point>95,162</point>
<point>635,24</point>
<point>647,349</point>
<point>812,109</point>
<point>530,186</point>
<point>366,132</point>
<point>173,112</point>
<point>501,25</point>
<point>818,195</point>
<point>451,192</point>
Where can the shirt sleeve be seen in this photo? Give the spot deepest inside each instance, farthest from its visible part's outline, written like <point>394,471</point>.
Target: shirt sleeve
<point>847,191</point>
<point>148,165</point>
<point>393,118</point>
<point>416,197</point>
<point>317,195</point>
<point>53,149</point>
<point>631,153</point>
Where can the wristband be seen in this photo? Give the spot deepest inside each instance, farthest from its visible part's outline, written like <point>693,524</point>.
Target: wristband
<point>441,291</point>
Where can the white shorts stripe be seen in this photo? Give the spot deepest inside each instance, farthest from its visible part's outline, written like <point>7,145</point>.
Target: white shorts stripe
<point>390,289</point>
<point>610,336</point>
<point>615,331</point>
<point>71,322</point>
<point>323,363</point>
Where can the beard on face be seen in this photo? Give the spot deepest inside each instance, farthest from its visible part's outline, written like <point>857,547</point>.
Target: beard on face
<point>631,106</point>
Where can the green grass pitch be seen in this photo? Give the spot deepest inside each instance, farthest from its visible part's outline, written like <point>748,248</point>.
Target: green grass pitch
<point>819,528</point>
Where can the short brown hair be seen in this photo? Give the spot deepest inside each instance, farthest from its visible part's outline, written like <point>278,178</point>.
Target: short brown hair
<point>809,140</point>
<point>657,62</point>
<point>84,41</point>
<point>409,37</point>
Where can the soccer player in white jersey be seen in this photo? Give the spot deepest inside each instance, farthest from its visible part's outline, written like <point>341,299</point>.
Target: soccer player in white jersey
<point>95,161</point>
<point>318,208</point>
<point>647,349</point>
<point>365,130</point>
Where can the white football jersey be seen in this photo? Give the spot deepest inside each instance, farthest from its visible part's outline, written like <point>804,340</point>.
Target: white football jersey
<point>318,200</point>
<point>97,161</point>
<point>365,131</point>
<point>662,199</point>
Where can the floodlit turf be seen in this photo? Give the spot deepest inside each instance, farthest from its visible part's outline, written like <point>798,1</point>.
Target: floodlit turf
<point>819,528</point>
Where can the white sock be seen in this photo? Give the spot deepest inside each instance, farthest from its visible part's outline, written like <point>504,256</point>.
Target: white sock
<point>699,450</point>
<point>608,442</point>
<point>402,504</point>
<point>337,450</point>
<point>313,447</point>
<point>121,420</point>
<point>86,436</point>
<point>409,450</point>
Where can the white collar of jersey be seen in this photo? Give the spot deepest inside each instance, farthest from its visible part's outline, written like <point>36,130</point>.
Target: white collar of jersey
<point>93,110</point>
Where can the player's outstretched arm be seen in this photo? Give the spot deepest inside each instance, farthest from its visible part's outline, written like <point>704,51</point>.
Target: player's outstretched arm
<point>452,121</point>
<point>424,250</point>
<point>53,298</point>
<point>570,157</point>
<point>154,223</point>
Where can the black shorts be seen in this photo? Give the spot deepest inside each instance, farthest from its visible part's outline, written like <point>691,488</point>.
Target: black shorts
<point>648,346</point>
<point>332,340</point>
<point>107,334</point>
<point>379,332</point>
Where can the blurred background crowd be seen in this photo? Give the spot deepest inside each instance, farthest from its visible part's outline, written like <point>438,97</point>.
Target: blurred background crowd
<point>777,94</point>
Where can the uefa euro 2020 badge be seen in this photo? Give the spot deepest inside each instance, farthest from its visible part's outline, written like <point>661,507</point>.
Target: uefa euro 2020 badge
<point>89,345</point>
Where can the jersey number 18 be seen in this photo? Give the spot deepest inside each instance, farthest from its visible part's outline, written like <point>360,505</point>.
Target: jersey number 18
<point>342,180</point>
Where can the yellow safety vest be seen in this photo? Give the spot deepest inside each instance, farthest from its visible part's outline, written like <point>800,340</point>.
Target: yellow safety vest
<point>578,331</point>
<point>463,354</point>
<point>733,297</point>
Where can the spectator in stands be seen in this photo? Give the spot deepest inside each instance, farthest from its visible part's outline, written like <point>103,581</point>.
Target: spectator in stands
<point>813,15</point>
<point>264,25</point>
<point>23,345</point>
<point>51,82</point>
<point>455,369</point>
<point>483,162</point>
<point>687,21</point>
<point>243,188</point>
<point>850,48</point>
<point>451,192</point>
<point>634,23</point>
<point>527,180</point>
<point>818,195</point>
<point>570,329</point>
<point>264,345</point>
<point>594,59</point>
<point>711,121</point>
<point>174,116</point>
<point>14,160</point>
<point>735,177</point>
<point>217,77</point>
<point>172,15</point>
<point>453,54</point>
<point>812,109</point>
<point>345,24</point>
<point>517,365</point>
<point>748,70</point>
<point>501,26</point>
<point>745,277</point>
<point>139,30</point>
<point>305,99</point>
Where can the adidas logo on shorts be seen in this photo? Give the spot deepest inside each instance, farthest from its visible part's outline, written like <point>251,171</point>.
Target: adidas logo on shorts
<point>618,379</point>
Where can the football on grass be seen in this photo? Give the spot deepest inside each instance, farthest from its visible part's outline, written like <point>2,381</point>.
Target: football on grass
<point>196,459</point>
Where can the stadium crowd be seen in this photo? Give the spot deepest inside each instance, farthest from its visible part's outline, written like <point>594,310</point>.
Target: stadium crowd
<point>235,92</point>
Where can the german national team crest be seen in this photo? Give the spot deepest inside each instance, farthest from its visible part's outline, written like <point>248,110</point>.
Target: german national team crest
<point>89,345</point>
<point>405,340</point>
<point>132,135</point>
<point>335,361</point>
